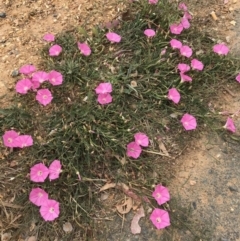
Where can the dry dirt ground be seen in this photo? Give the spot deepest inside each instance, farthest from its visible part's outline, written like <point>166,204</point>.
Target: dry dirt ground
<point>209,171</point>
<point>209,174</point>
<point>26,22</point>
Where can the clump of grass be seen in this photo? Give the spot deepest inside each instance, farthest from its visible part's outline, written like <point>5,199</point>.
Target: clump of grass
<point>89,138</point>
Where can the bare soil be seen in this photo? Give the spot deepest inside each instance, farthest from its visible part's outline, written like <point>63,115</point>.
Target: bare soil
<point>27,21</point>
<point>208,177</point>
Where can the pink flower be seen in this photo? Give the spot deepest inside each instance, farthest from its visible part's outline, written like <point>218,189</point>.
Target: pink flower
<point>185,78</point>
<point>40,76</point>
<point>23,141</point>
<point>49,37</point>
<point>27,69</point>
<point>160,218</point>
<point>183,67</point>
<point>152,1</point>
<point>133,150</point>
<point>23,86</point>
<point>55,50</point>
<point>189,122</point>
<point>185,23</point>
<point>38,196</point>
<point>113,37</point>
<point>175,44</point>
<point>221,49</point>
<point>38,173</point>
<point>44,96</point>
<point>9,138</point>
<point>230,125</point>
<point>104,88</point>
<point>238,78</point>
<point>84,49</point>
<point>163,52</point>
<point>161,194</point>
<point>186,51</point>
<point>35,85</point>
<point>54,170</point>
<point>141,139</point>
<point>149,33</point>
<point>187,15</point>
<point>182,6</point>
<point>196,64</point>
<point>50,210</point>
<point>55,77</point>
<point>104,99</point>
<point>176,28</point>
<point>174,95</point>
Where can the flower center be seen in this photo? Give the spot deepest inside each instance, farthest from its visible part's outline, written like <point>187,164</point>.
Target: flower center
<point>39,173</point>
<point>40,194</point>
<point>44,97</point>
<point>9,140</point>
<point>186,123</point>
<point>158,220</point>
<point>53,80</point>
<point>25,88</point>
<point>51,210</point>
<point>158,195</point>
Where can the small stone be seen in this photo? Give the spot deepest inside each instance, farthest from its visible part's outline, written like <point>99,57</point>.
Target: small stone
<point>192,182</point>
<point>214,16</point>
<point>228,39</point>
<point>2,15</point>
<point>233,189</point>
<point>233,22</point>
<point>15,73</point>
<point>194,204</point>
<point>211,171</point>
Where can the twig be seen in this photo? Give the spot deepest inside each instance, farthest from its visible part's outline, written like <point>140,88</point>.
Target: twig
<point>229,91</point>
<point>9,205</point>
<point>108,219</point>
<point>92,180</point>
<point>80,207</point>
<point>180,153</point>
<point>158,153</point>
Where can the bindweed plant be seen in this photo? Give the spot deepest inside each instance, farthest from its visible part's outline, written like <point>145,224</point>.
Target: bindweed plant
<point>149,77</point>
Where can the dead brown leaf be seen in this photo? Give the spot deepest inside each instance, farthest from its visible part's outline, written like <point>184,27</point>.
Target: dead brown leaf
<point>135,228</point>
<point>67,227</point>
<point>32,238</point>
<point>125,207</point>
<point>104,196</point>
<point>107,186</point>
<point>13,163</point>
<point>6,236</point>
<point>32,226</point>
<point>162,148</point>
<point>122,160</point>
